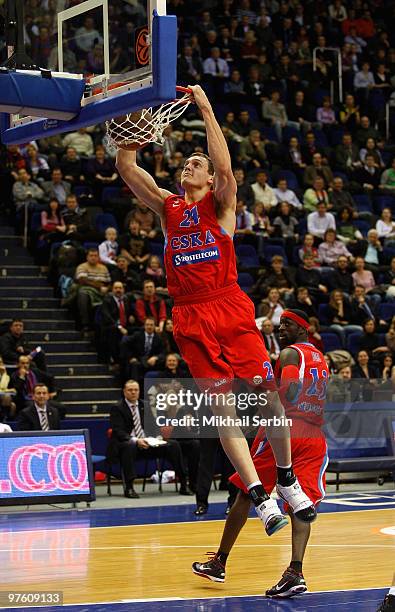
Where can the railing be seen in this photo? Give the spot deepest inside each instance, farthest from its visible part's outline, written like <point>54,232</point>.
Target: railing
<point>337,51</point>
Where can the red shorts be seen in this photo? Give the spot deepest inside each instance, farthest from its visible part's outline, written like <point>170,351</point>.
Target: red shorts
<point>309,460</point>
<point>219,340</point>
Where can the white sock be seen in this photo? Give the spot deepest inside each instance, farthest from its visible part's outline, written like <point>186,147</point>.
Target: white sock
<point>254,484</point>
<point>392,591</point>
<point>284,467</point>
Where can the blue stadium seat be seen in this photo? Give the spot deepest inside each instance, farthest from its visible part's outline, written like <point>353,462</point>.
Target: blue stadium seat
<point>105,220</point>
<point>341,175</point>
<point>386,311</point>
<point>247,256</point>
<point>352,342</point>
<point>156,248</point>
<point>110,192</point>
<point>320,138</point>
<point>363,202</point>
<point>82,190</point>
<point>269,250</point>
<point>336,136</point>
<point>388,254</point>
<point>290,177</point>
<point>35,222</point>
<point>245,281</point>
<point>326,274</point>
<point>270,133</point>
<point>384,201</point>
<point>90,245</point>
<point>331,341</point>
<point>323,312</point>
<point>302,227</point>
<point>363,226</point>
<point>290,132</point>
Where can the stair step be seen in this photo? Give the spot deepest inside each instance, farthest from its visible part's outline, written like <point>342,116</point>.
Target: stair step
<point>29,303</point>
<point>37,313</point>
<point>10,240</point>
<point>96,381</point>
<point>68,369</point>
<point>91,395</point>
<point>45,325</point>
<point>27,271</point>
<point>8,250</point>
<point>71,358</point>
<point>23,281</point>
<point>24,291</point>
<point>53,336</point>
<point>57,347</point>
<point>87,406</point>
<point>19,260</point>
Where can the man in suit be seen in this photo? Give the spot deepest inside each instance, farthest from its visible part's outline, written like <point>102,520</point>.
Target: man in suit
<point>40,415</point>
<point>57,187</point>
<point>129,443</point>
<point>117,319</point>
<point>25,378</point>
<point>271,340</point>
<point>141,351</point>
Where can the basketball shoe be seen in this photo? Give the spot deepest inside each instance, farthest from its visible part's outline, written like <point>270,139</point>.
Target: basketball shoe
<point>388,604</point>
<point>302,507</point>
<point>292,583</point>
<point>270,514</point>
<point>212,569</point>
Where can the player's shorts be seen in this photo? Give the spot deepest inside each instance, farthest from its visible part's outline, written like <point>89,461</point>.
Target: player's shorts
<point>219,340</point>
<point>309,460</point>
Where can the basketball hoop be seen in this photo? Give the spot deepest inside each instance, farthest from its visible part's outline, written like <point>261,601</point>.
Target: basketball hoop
<point>134,130</point>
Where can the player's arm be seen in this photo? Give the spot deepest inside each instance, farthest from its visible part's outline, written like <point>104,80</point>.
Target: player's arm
<point>225,187</point>
<point>140,182</point>
<point>289,383</point>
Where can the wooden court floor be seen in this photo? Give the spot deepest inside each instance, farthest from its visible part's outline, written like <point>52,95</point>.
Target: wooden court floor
<point>347,551</point>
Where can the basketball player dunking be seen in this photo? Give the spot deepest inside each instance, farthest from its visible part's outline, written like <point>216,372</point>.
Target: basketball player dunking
<point>303,375</point>
<point>214,324</point>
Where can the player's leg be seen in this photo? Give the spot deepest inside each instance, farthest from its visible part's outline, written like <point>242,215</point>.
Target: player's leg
<point>388,605</point>
<point>245,351</point>
<point>214,568</point>
<point>195,334</point>
<point>292,581</point>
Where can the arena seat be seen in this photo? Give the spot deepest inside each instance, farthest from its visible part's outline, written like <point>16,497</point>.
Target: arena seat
<point>352,342</point>
<point>363,226</point>
<point>105,220</point>
<point>290,177</point>
<point>110,192</point>
<point>247,255</point>
<point>323,312</point>
<point>363,202</point>
<point>269,250</point>
<point>386,310</point>
<point>245,281</point>
<point>331,342</point>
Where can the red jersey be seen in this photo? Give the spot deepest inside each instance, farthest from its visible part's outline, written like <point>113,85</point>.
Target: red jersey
<point>313,379</point>
<point>199,254</point>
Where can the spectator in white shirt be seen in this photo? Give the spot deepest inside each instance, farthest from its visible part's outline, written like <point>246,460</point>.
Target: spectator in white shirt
<point>364,80</point>
<point>215,66</point>
<point>386,226</point>
<point>283,194</point>
<point>320,221</point>
<point>263,192</point>
<point>108,250</point>
<point>87,36</point>
<point>244,219</point>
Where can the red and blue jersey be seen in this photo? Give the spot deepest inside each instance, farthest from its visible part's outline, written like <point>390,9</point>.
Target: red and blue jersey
<point>308,405</point>
<point>199,254</point>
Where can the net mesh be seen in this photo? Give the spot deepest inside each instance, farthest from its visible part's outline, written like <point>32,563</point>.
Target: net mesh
<point>149,126</point>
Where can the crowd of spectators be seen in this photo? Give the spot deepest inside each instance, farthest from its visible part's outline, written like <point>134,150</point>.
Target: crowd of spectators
<point>315,182</point>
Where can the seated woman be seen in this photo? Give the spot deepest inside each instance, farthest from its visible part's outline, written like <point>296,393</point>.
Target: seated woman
<point>364,278</point>
<point>330,250</point>
<point>272,307</point>
<point>370,340</point>
<point>368,374</point>
<point>286,226</point>
<point>340,315</point>
<point>385,227</point>
<point>53,226</point>
<point>346,230</point>
<point>155,272</point>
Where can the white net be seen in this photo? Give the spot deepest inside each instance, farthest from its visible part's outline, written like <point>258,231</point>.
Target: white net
<point>141,127</point>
